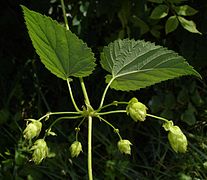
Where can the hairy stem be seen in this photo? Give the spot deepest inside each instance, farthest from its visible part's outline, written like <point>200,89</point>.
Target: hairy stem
<point>71,95</point>
<point>90,172</point>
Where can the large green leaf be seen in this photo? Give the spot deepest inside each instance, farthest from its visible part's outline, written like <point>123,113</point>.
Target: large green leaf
<point>137,64</point>
<point>59,49</point>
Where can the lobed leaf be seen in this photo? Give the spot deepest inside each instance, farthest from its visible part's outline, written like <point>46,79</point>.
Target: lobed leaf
<point>137,64</point>
<point>59,49</point>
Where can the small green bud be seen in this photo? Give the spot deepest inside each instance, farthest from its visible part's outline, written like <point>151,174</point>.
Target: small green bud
<point>177,139</point>
<point>136,110</point>
<point>124,146</point>
<point>75,149</point>
<point>40,151</point>
<point>32,130</point>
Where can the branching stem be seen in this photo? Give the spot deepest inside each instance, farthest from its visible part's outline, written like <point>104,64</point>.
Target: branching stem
<point>87,102</point>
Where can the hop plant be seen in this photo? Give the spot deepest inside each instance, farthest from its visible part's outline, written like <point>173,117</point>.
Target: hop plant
<point>40,151</point>
<point>124,146</point>
<point>177,139</point>
<point>136,110</point>
<point>75,149</point>
<point>32,130</point>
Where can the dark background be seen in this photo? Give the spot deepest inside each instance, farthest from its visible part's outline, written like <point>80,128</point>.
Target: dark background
<point>28,90</point>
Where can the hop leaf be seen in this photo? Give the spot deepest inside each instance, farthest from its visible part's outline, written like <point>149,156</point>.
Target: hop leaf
<point>177,139</point>
<point>136,110</point>
<point>32,130</point>
<point>124,146</point>
<point>40,151</point>
<point>75,149</point>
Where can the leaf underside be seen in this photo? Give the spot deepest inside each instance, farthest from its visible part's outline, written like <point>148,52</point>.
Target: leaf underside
<point>59,49</point>
<point>137,64</point>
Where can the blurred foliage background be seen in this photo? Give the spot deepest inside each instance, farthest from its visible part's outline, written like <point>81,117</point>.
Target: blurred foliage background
<point>28,90</point>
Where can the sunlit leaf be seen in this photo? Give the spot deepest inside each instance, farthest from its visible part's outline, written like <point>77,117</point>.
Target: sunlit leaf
<point>59,49</point>
<point>160,12</point>
<point>185,10</point>
<point>171,24</point>
<point>188,25</point>
<point>137,64</point>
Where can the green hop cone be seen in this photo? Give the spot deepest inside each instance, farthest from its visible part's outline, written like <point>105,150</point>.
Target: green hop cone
<point>75,149</point>
<point>136,110</point>
<point>177,139</point>
<point>32,130</point>
<point>40,151</point>
<point>124,146</point>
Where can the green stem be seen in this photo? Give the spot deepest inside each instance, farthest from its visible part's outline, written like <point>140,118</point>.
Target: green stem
<point>71,95</point>
<point>112,112</point>
<point>90,172</point>
<point>58,113</point>
<point>61,118</point>
<point>84,91</point>
<point>64,14</point>
<point>104,93</point>
<point>78,127</point>
<point>157,117</point>
<point>114,103</point>
<point>115,129</point>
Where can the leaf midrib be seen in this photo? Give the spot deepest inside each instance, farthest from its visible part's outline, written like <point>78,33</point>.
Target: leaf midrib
<point>144,70</point>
